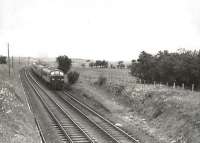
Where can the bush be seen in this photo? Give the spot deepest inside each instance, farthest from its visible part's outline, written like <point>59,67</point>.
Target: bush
<point>72,77</point>
<point>83,65</point>
<point>3,60</point>
<point>119,89</point>
<point>101,80</point>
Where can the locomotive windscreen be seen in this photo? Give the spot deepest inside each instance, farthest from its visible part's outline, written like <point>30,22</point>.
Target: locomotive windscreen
<point>56,73</point>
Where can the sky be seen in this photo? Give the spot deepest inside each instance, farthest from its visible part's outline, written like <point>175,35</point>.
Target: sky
<point>98,29</point>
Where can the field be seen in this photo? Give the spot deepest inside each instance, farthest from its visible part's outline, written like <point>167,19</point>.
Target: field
<point>164,113</point>
<point>16,120</point>
<point>114,76</point>
<point>152,112</point>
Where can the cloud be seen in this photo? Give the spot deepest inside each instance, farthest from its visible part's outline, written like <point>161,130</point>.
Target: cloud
<point>99,29</point>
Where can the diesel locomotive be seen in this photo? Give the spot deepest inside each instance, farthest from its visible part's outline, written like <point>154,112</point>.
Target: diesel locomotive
<point>52,76</point>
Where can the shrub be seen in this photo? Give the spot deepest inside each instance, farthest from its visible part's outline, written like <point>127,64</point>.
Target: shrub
<point>83,65</point>
<point>117,89</point>
<point>72,77</point>
<point>3,60</point>
<point>101,80</point>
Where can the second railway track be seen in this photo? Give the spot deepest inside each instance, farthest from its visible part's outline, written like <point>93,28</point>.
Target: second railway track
<point>63,109</point>
<point>69,130</point>
<point>116,133</point>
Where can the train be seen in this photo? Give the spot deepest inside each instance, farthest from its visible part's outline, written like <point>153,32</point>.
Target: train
<point>53,77</point>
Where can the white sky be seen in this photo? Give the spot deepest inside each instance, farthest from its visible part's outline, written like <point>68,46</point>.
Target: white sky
<point>98,29</point>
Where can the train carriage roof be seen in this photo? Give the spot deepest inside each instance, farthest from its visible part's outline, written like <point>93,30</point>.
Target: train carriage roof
<point>37,65</point>
<point>49,70</point>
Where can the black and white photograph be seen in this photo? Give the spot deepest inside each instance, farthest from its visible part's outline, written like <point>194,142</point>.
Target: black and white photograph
<point>99,71</point>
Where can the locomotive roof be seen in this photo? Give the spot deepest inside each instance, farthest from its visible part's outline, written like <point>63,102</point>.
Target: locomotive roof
<point>47,68</point>
<point>50,69</point>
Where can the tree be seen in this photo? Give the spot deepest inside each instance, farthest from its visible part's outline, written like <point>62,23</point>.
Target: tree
<point>104,64</point>
<point>182,66</point>
<point>165,67</point>
<point>3,60</point>
<point>72,77</point>
<point>100,64</point>
<point>112,66</point>
<point>91,64</point>
<point>134,68</point>
<point>83,65</point>
<point>146,66</point>
<point>121,65</point>
<point>64,63</point>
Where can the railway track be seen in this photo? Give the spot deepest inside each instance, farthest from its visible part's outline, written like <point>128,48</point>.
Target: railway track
<point>113,131</point>
<point>110,131</point>
<point>25,88</point>
<point>69,130</point>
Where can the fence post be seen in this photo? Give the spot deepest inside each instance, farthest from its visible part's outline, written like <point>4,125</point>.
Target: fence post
<point>154,84</point>
<point>144,86</point>
<point>167,84</point>
<point>192,87</point>
<point>174,86</point>
<point>183,86</point>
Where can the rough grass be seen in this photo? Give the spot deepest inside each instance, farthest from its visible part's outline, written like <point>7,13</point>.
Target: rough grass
<point>16,121</point>
<point>14,124</point>
<point>173,112</point>
<point>170,114</point>
<point>115,76</point>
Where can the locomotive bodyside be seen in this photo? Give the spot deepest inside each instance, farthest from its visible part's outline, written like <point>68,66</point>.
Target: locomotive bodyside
<point>52,76</point>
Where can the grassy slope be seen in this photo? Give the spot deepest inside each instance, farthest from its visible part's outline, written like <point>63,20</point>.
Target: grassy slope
<point>16,121</point>
<point>173,112</point>
<point>168,114</point>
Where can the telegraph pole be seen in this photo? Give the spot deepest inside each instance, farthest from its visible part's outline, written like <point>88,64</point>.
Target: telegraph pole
<point>8,60</point>
<point>12,62</point>
<point>28,60</point>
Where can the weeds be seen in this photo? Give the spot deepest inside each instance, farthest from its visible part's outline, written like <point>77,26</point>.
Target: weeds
<point>101,80</point>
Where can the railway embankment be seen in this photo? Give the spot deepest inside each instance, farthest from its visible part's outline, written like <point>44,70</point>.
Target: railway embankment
<point>102,102</point>
<point>17,124</point>
<point>154,114</point>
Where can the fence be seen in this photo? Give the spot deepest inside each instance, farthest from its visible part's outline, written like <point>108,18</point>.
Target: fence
<point>123,77</point>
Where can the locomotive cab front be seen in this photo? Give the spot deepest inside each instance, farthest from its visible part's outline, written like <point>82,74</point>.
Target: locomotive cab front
<point>57,79</point>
